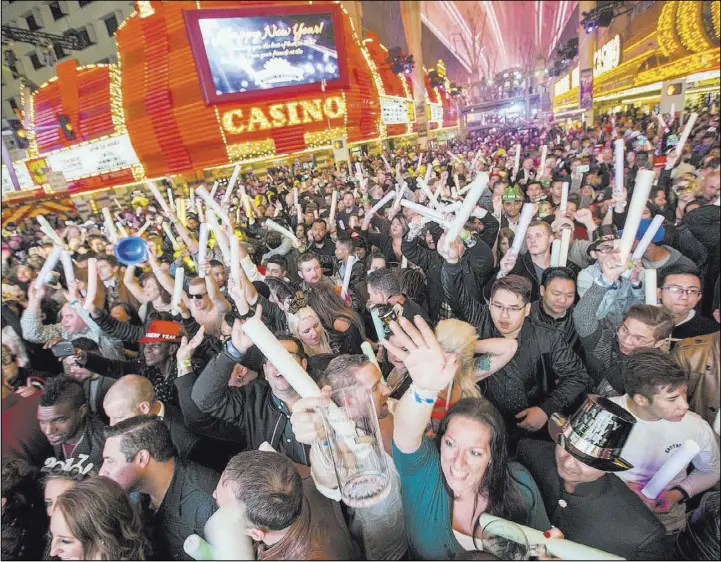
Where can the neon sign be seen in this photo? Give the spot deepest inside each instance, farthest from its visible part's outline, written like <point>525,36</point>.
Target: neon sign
<point>238,121</point>
<point>607,57</point>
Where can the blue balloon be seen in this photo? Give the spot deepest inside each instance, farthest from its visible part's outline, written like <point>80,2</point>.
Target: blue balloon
<point>131,250</point>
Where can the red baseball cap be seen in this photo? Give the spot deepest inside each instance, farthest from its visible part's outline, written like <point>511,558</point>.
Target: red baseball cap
<point>162,331</point>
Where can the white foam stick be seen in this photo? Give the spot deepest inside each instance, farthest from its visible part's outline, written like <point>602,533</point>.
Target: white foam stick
<point>558,139</point>
<point>619,164</point>
<point>523,222</point>
<point>48,266</point>
<point>272,225</point>
<point>555,252</point>
<point>49,230</point>
<point>143,228</point>
<point>368,352</point>
<point>171,200</point>
<point>565,243</point>
<point>686,132</point>
<point>231,183</point>
<point>68,267</point>
<point>643,244</point>
<point>388,166</point>
<point>333,206</point>
<point>158,196</point>
<point>92,281</point>
<point>109,225</point>
<point>219,235</point>
<point>641,191</point>
<point>213,204</point>
<point>222,532</point>
<point>650,284</point>
<point>378,325</point>
<point>121,230</point>
<point>420,163</point>
<point>280,358</point>
<point>235,259</point>
<point>661,122</point>
<point>177,289</point>
<point>171,237</point>
<point>118,203</point>
<point>248,209</point>
<point>427,190</point>
<point>544,153</point>
<point>295,196</point>
<point>453,207</point>
<point>517,161</point>
<point>559,548</point>
<point>478,185</point>
<point>404,262</point>
<point>202,248</point>
<point>454,157</point>
<point>346,276</point>
<point>198,548</point>
<point>564,198</point>
<point>386,199</point>
<point>214,189</point>
<point>670,469</point>
<point>673,111</point>
<point>422,210</point>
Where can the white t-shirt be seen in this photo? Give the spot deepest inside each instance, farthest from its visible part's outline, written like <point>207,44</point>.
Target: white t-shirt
<point>652,443</point>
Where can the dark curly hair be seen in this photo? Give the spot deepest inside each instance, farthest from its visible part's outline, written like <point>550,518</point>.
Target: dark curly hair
<point>23,513</point>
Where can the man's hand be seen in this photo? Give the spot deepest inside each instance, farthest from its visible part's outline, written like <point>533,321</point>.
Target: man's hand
<point>636,271</point>
<point>35,294</point>
<point>585,217</point>
<point>187,348</point>
<point>241,341</point>
<point>452,252</point>
<point>307,420</point>
<point>508,262</point>
<point>429,366</point>
<point>612,267</point>
<point>532,419</point>
<point>662,504</point>
<point>52,341</point>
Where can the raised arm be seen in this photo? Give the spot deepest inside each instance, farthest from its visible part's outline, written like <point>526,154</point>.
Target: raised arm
<point>496,353</point>
<point>455,292</point>
<point>31,323</point>
<point>215,295</point>
<point>132,284</point>
<point>164,278</point>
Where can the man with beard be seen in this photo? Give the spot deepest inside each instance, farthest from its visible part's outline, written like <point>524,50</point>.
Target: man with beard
<point>323,247</point>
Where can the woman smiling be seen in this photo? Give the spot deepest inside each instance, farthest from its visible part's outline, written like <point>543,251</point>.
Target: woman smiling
<point>449,483</point>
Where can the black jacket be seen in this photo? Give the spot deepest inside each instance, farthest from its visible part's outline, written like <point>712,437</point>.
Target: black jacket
<point>545,372</point>
<point>250,409</point>
<point>325,255</point>
<point>565,325</point>
<point>91,444</point>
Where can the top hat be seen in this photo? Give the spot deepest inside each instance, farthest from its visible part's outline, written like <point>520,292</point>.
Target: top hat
<point>595,434</point>
<point>162,331</point>
<point>604,233</point>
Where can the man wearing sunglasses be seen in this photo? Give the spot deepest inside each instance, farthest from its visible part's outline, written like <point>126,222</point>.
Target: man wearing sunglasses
<point>679,291</point>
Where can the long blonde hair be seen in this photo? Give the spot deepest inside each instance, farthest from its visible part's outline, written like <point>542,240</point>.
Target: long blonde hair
<point>460,337</point>
<point>294,321</point>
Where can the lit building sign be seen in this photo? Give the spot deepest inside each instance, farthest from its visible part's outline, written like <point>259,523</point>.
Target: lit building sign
<point>435,112</point>
<point>568,82</point>
<point>96,157</point>
<point>237,121</point>
<point>396,110</point>
<point>607,57</point>
<point>22,174</point>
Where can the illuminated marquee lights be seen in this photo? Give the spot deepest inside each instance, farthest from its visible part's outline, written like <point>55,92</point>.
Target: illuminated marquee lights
<point>324,138</point>
<point>667,40</point>
<point>690,27</point>
<point>252,149</point>
<point>716,18</point>
<point>607,57</point>
<point>280,115</point>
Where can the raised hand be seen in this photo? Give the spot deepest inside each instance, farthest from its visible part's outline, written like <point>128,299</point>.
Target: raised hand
<point>430,367</point>
<point>187,348</point>
<point>508,262</point>
<point>307,420</point>
<point>612,267</point>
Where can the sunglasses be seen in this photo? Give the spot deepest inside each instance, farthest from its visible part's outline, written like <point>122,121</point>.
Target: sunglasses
<point>198,296</point>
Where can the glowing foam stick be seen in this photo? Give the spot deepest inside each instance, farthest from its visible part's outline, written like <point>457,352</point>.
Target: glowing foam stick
<point>143,228</point>
<point>368,352</point>
<point>192,198</point>
<point>171,237</point>
<point>643,244</point>
<point>644,181</point>
<point>404,262</point>
<point>670,469</point>
<point>386,199</point>
<point>202,248</point>
<point>280,358</point>
<point>272,225</point>
<point>118,203</point>
<point>478,185</point>
<point>177,289</point>
<point>68,267</point>
<point>248,209</point>
<point>219,236</point>
<point>171,200</point>
<point>517,161</point>
<point>555,252</point>
<point>650,284</point>
<point>223,536</point>
<point>358,169</point>
<point>109,225</point>
<point>158,196</point>
<point>48,266</point>
<point>565,243</point>
<point>333,206</point>
<point>686,132</point>
<point>544,152</point>
<point>523,222</point>
<point>422,210</point>
<point>213,204</point>
<point>214,189</point>
<point>559,548</point>
<point>49,230</point>
<point>92,281</point>
<point>673,111</point>
<point>427,190</point>
<point>661,122</point>
<point>198,548</point>
<point>378,325</point>
<point>619,147</point>
<point>564,198</point>
<point>121,230</point>
<point>231,183</point>
<point>346,276</point>
<point>388,166</point>
<point>235,259</point>
<point>181,210</point>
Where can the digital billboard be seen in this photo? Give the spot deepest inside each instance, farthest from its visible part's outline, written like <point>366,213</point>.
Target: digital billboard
<point>243,54</point>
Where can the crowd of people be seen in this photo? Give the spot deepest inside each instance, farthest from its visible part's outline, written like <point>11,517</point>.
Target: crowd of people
<point>504,384</point>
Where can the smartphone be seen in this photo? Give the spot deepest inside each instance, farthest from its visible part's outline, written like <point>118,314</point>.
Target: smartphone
<point>63,349</point>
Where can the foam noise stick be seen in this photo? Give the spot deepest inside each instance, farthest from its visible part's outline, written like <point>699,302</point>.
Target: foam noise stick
<point>346,278</point>
<point>214,189</point>
<point>686,132</point>
<point>565,243</point>
<point>92,281</point>
<point>49,230</point>
<point>219,236</point>
<point>231,183</point>
<point>272,225</point>
<point>542,166</point>
<point>650,284</point>
<point>677,462</point>
<point>202,248</point>
<point>177,289</point>
<point>523,222</point>
<point>121,230</point>
<point>555,252</point>
<point>48,266</point>
<point>386,199</point>
<point>143,228</point>
<point>171,237</point>
<point>333,206</point>
<point>642,189</point>
<point>158,196</point>
<point>422,210</point>
<point>109,225</point>
<point>171,201</point>
<point>644,243</point>
<point>68,267</point>
<point>478,185</point>
<point>564,198</point>
<point>213,204</point>
<point>235,259</point>
<point>619,147</point>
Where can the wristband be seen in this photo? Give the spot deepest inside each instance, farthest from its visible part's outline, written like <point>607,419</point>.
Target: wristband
<point>684,493</point>
<point>422,395</point>
<point>232,351</point>
<point>187,363</point>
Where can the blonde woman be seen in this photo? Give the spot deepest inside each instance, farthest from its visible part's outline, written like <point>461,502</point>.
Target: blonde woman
<point>305,325</point>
